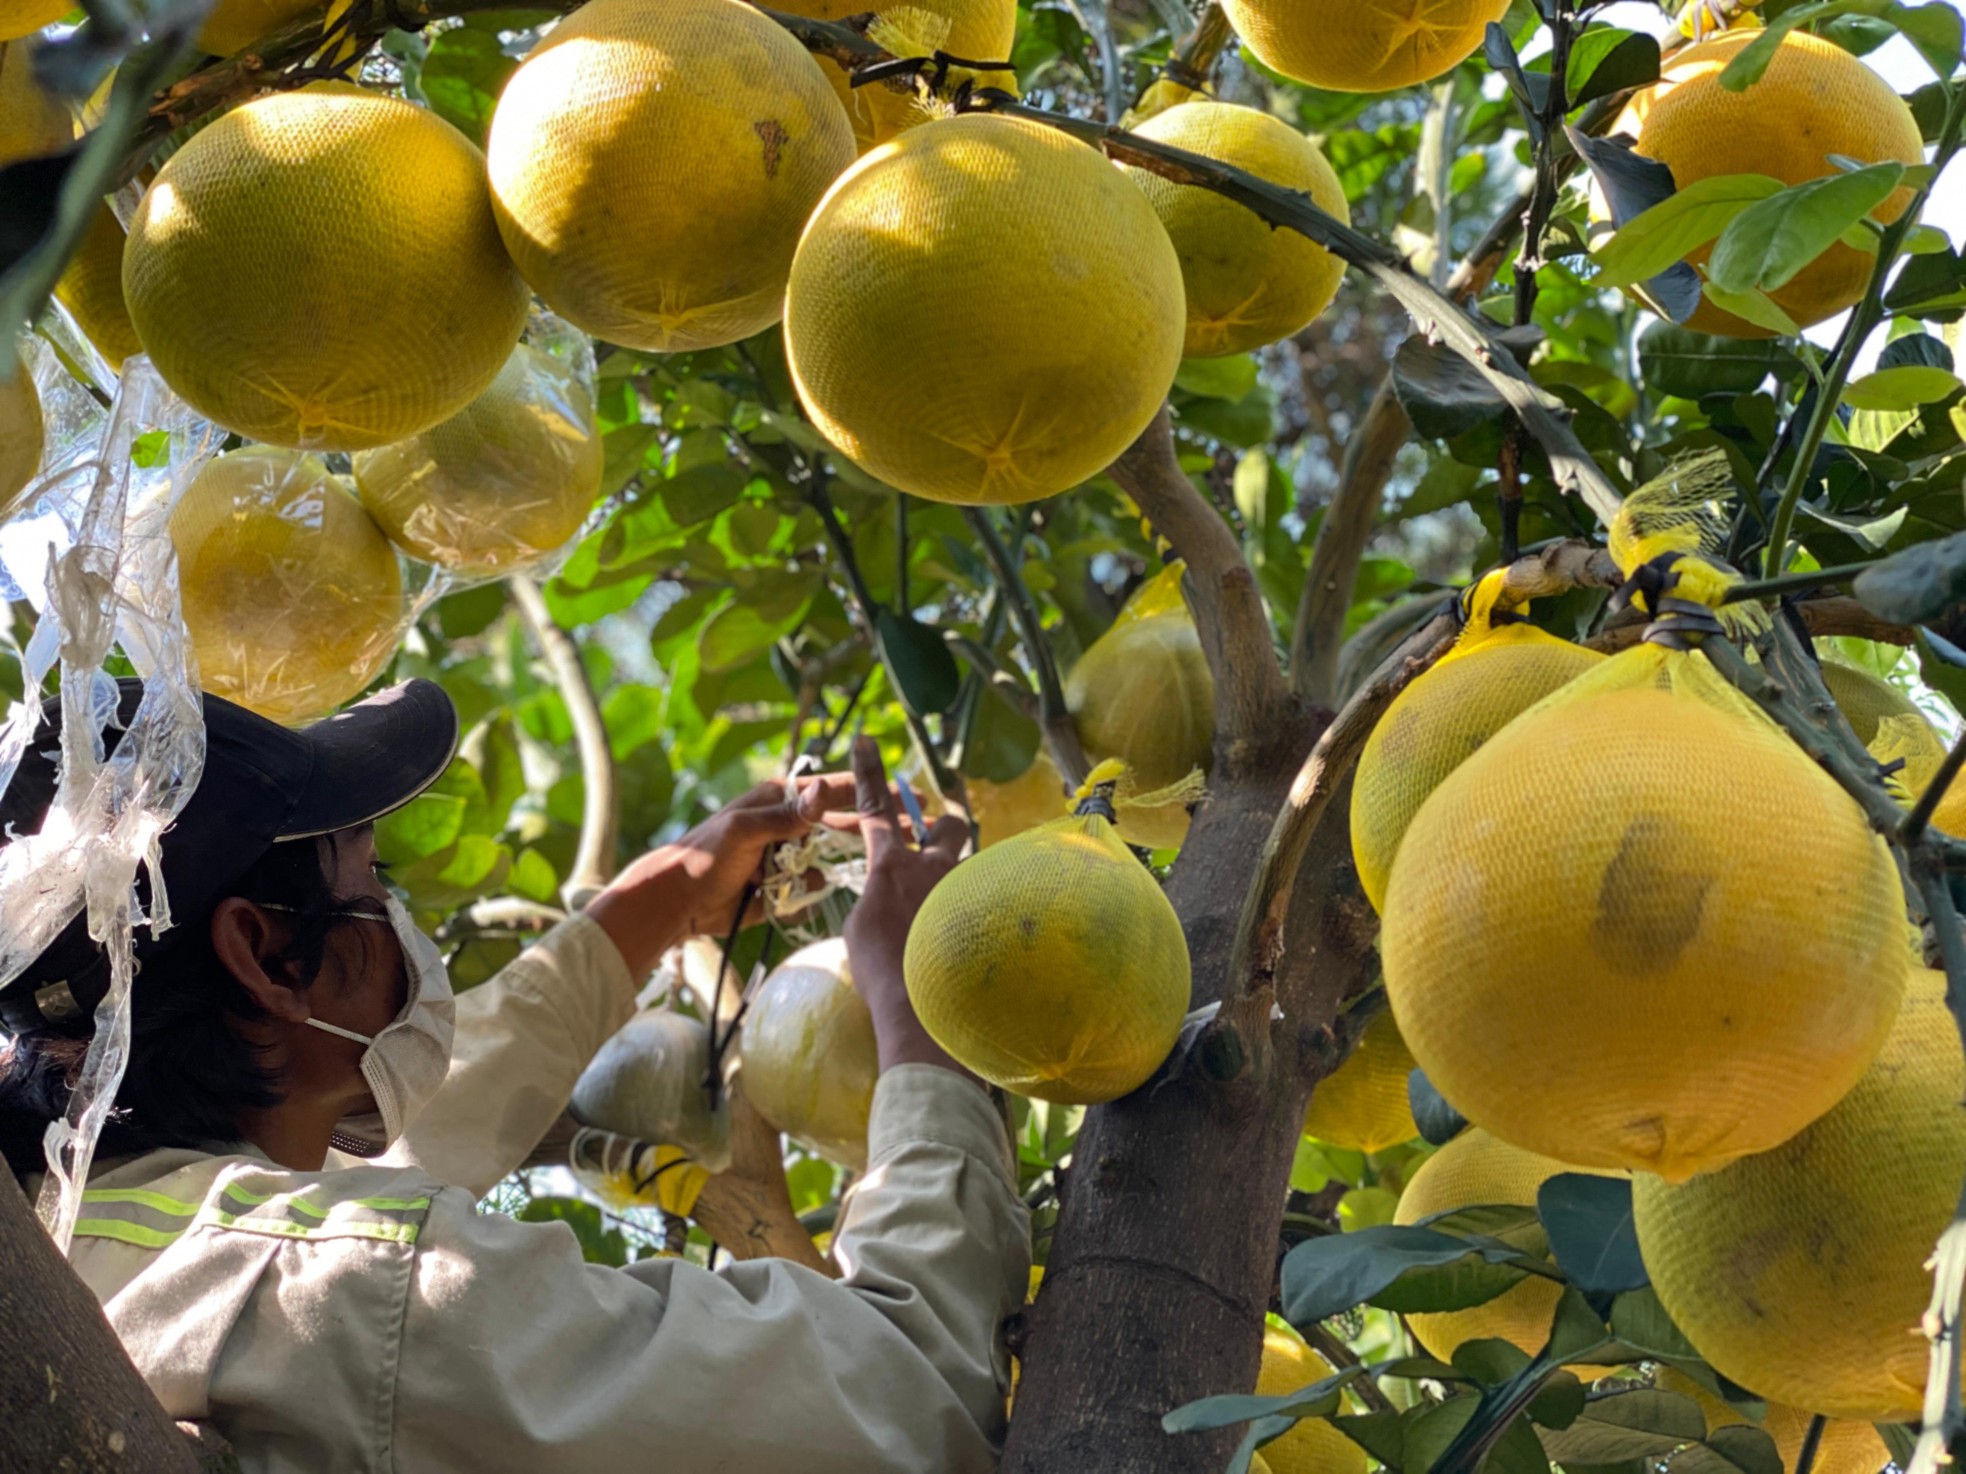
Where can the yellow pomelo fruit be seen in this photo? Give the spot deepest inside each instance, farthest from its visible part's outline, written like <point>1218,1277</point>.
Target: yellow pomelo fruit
<point>979,30</point>
<point>1706,900</point>
<point>1313,1446</point>
<point>809,1057</point>
<point>320,269</point>
<point>653,162</point>
<point>1362,1105</point>
<point>646,1082</point>
<point>1472,1170</point>
<point>1814,102</point>
<point>1363,45</point>
<point>501,483</point>
<point>20,433</point>
<point>1052,964</point>
<point>293,598</point>
<point>1846,1447</point>
<point>1437,722</point>
<point>1260,1465</point>
<point>1142,693</point>
<point>1005,810</point>
<point>233,25</point>
<point>1890,724</point>
<point>91,288</point>
<point>20,18</point>
<point>1798,1273</point>
<point>1248,283</point>
<point>888,317</point>
<point>33,123</point>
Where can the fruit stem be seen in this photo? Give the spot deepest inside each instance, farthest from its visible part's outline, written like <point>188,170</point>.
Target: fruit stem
<point>1192,63</point>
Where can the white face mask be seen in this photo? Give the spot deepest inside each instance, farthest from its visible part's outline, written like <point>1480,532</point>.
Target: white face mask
<point>406,1063</point>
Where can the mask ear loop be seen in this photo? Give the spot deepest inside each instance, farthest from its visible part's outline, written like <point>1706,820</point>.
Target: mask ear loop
<point>322,1024</point>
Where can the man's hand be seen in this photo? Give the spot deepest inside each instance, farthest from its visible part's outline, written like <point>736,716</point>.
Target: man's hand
<point>692,887</point>
<point>899,878</point>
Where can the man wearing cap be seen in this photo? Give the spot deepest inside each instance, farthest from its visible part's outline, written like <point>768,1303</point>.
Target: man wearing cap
<point>282,1223</point>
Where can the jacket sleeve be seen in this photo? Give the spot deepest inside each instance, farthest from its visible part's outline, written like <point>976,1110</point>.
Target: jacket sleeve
<point>522,1040</point>
<point>517,1355</point>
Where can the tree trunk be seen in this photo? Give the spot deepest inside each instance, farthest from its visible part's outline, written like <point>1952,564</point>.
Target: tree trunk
<point>69,1397</point>
<point>1166,1250</point>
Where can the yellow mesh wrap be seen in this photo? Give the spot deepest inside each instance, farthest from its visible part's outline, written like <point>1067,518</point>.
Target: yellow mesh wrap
<point>646,1082</point>
<point>24,17</point>
<point>979,30</point>
<point>1472,1170</point>
<point>809,1058</point>
<point>1052,964</point>
<point>984,311</point>
<point>624,1173</point>
<point>653,162</point>
<point>1363,45</point>
<point>1494,673</point>
<point>1162,94</point>
<point>1248,283</point>
<point>91,288</point>
<point>32,121</point>
<point>320,269</point>
<point>20,432</point>
<point>1799,1273</point>
<point>1845,1448</point>
<point>1313,1446</point>
<point>1142,694</point>
<point>1815,101</point>
<point>1892,727</point>
<point>1646,853</point>
<point>1363,1103</point>
<point>502,483</point>
<point>293,598</point>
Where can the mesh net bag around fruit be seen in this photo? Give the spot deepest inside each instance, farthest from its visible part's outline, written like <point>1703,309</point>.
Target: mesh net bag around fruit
<point>647,1082</point>
<point>1499,667</point>
<point>1640,928</point>
<point>1052,964</point>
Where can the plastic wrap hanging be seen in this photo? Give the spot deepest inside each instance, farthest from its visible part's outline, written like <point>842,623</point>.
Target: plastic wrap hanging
<point>89,548</point>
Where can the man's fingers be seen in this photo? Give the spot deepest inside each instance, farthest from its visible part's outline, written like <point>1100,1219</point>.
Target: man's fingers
<point>946,838</point>
<point>874,801</point>
<point>826,793</point>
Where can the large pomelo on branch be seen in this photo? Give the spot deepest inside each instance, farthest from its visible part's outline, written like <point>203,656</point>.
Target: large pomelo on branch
<point>1052,964</point>
<point>1363,45</point>
<point>33,123</point>
<point>1313,1446</point>
<point>320,270</point>
<point>1640,928</point>
<point>1847,1446</point>
<point>808,1060</point>
<point>91,288</point>
<point>501,483</point>
<point>1248,282</point>
<point>233,25</point>
<point>1815,103</point>
<point>1363,1104</point>
<point>1799,1273</point>
<point>293,598</point>
<point>653,162</point>
<point>984,311</point>
<point>647,1082</point>
<point>20,18</point>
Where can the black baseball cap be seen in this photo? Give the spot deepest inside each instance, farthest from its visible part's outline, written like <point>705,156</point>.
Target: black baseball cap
<point>262,783</point>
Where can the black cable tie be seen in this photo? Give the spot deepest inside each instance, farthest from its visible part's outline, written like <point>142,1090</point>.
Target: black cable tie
<point>1100,802</point>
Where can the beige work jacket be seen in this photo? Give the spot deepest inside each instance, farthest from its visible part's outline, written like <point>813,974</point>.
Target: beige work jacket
<point>371,1317</point>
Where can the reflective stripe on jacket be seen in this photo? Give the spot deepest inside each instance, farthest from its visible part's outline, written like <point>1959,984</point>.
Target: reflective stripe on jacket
<point>370,1317</point>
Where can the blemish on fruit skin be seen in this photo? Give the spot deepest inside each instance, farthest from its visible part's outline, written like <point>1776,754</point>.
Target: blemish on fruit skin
<point>772,133</point>
<point>1028,927</point>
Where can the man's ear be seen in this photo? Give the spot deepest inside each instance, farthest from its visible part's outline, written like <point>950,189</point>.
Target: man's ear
<point>243,936</point>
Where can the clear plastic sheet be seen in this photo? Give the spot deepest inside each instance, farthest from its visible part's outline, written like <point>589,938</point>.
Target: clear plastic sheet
<point>508,484</point>
<point>89,549</point>
<point>647,1082</point>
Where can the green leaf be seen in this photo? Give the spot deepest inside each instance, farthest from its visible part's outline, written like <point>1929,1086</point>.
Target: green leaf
<point>1679,361</point>
<point>918,660</point>
<point>1324,1276</point>
<point>1589,1223</point>
<point>1604,61</point>
<point>1902,388</point>
<point>1736,1449</point>
<point>1775,238</point>
<point>534,877</point>
<point>1935,30</point>
<point>1442,393</point>
<point>1640,1322</point>
<point>1917,584</point>
<point>1438,1121</point>
<point>1232,377</point>
<point>1755,306</point>
<point>426,825</point>
<point>634,715</point>
<point>599,1244</point>
<point>1916,349</point>
<point>463,72</point>
<point>698,494</point>
<point>1314,1401</point>
<point>1645,1422</point>
<point>471,611</point>
<point>493,749</point>
<point>1942,666</point>
<point>1669,232</point>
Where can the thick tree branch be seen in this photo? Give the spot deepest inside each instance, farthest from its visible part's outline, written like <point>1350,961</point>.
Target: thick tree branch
<point>1230,614</point>
<point>594,859</point>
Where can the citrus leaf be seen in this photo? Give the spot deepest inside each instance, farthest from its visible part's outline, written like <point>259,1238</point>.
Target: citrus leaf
<point>918,660</point>
<point>1324,1276</point>
<point>463,72</point>
<point>1604,61</point>
<point>1677,360</point>
<point>1631,185</point>
<point>698,494</point>
<point>1217,378</point>
<point>1916,349</point>
<point>1903,387</point>
<point>1775,238</point>
<point>426,825</point>
<point>1917,584</point>
<point>1314,1401</point>
<point>1936,30</point>
<point>1589,1223</point>
<point>1441,392</point>
<point>1736,1449</point>
<point>1438,1121</point>
<point>1668,231</point>
<point>1645,1422</point>
<point>1755,306</point>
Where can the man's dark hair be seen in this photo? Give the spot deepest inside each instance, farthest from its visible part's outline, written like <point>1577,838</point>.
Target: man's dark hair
<point>191,1072</point>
